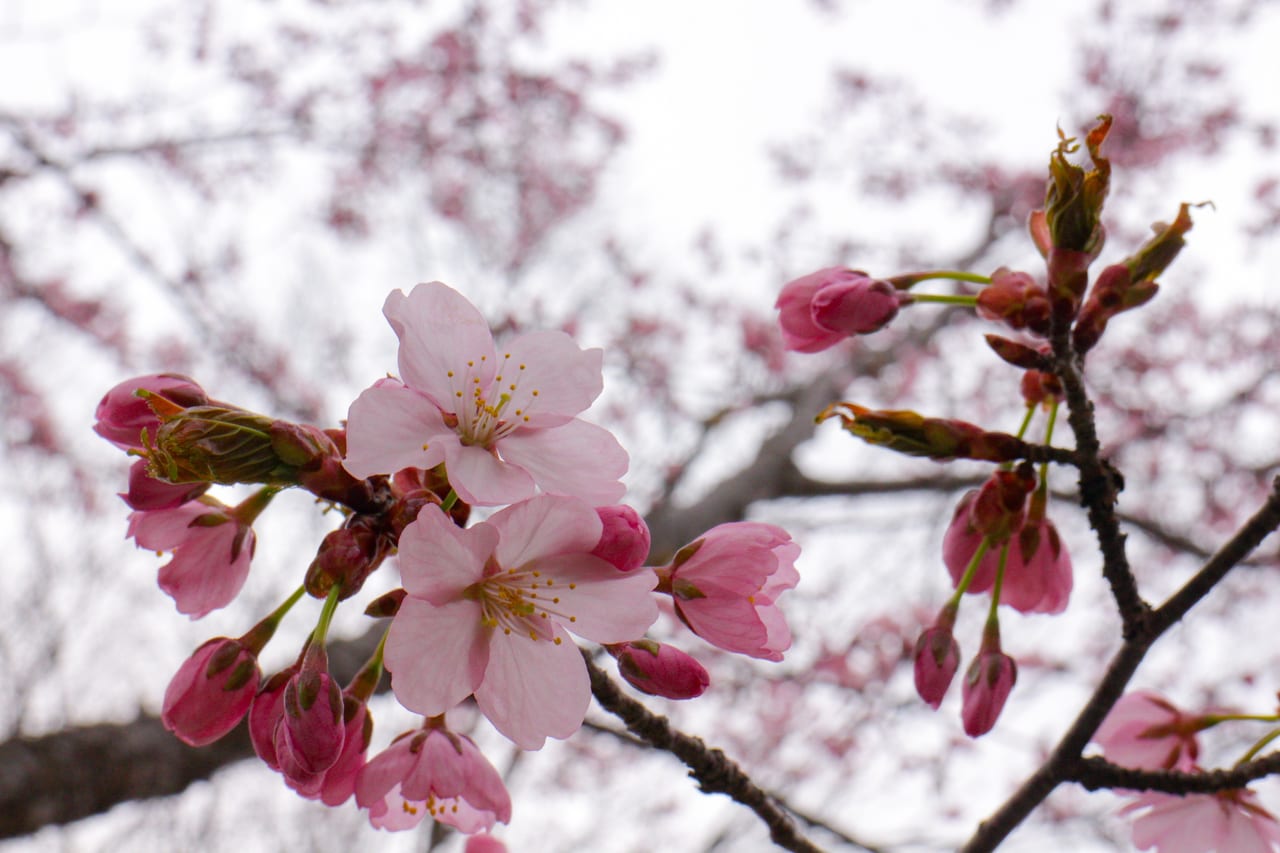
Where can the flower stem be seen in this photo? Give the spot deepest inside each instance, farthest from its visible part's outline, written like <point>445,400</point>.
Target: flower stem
<point>970,570</point>
<point>257,637</point>
<point>945,299</point>
<point>1257,747</point>
<point>449,500</point>
<point>326,615</point>
<point>905,282</point>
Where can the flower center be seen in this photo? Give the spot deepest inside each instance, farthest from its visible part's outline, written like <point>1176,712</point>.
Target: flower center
<point>487,411</point>
<point>522,601</point>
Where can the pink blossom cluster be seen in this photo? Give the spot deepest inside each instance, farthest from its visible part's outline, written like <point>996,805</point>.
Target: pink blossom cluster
<point>488,612</point>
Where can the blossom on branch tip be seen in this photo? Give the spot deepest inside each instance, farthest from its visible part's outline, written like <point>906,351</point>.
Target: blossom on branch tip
<point>211,552</point>
<point>495,604</point>
<point>725,586</point>
<point>1226,822</point>
<point>504,424</point>
<point>819,310</point>
<point>211,692</point>
<point>432,771</point>
<point>1146,731</point>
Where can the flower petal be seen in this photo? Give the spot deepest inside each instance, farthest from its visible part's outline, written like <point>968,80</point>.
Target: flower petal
<point>578,459</point>
<point>391,427</point>
<point>440,331</point>
<point>543,526</point>
<point>606,606</point>
<point>438,559</point>
<point>383,772</point>
<point>534,689</point>
<point>549,378</point>
<point>436,655</point>
<point>481,479</point>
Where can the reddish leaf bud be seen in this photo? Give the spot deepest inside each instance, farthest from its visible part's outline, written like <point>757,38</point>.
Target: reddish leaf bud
<point>347,557</point>
<point>1016,299</point>
<point>915,435</point>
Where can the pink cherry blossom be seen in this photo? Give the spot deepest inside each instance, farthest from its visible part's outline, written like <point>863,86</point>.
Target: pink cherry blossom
<point>265,715</point>
<point>122,416</point>
<point>211,552</point>
<point>819,310</point>
<point>339,781</point>
<point>211,692</point>
<point>725,585</point>
<point>1146,731</point>
<point>503,423</point>
<point>494,604</point>
<point>625,539</point>
<point>309,734</point>
<point>660,669</point>
<point>1226,822</point>
<point>433,771</point>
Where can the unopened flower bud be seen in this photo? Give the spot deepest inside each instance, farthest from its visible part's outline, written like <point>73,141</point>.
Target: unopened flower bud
<point>659,669</point>
<point>999,508</point>
<point>123,417</point>
<point>915,435</point>
<point>216,444</point>
<point>937,657</point>
<point>987,685</point>
<point>819,310</point>
<point>624,540</point>
<point>1016,299</point>
<point>347,557</point>
<point>309,736</point>
<point>265,715</point>
<point>211,692</point>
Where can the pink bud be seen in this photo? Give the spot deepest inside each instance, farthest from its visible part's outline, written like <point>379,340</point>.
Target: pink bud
<point>819,310</point>
<point>340,779</point>
<point>1016,299</point>
<point>122,416</point>
<point>986,687</point>
<point>937,659</point>
<point>265,714</point>
<point>660,670</point>
<point>857,307</point>
<point>625,540</point>
<point>146,493</point>
<point>308,739</point>
<point>211,692</point>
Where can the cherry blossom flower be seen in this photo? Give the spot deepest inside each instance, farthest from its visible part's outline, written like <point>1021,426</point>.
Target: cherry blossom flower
<point>211,692</point>
<point>660,669</point>
<point>1146,731</point>
<point>494,604</point>
<point>819,310</point>
<point>483,843</point>
<point>308,737</point>
<point>211,552</point>
<point>503,423</point>
<point>1226,822</point>
<point>339,781</point>
<point>725,585</point>
<point>148,493</point>
<point>433,771</point>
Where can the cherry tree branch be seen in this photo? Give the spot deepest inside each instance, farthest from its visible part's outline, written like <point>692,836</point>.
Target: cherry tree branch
<point>1064,763</point>
<point>713,770</point>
